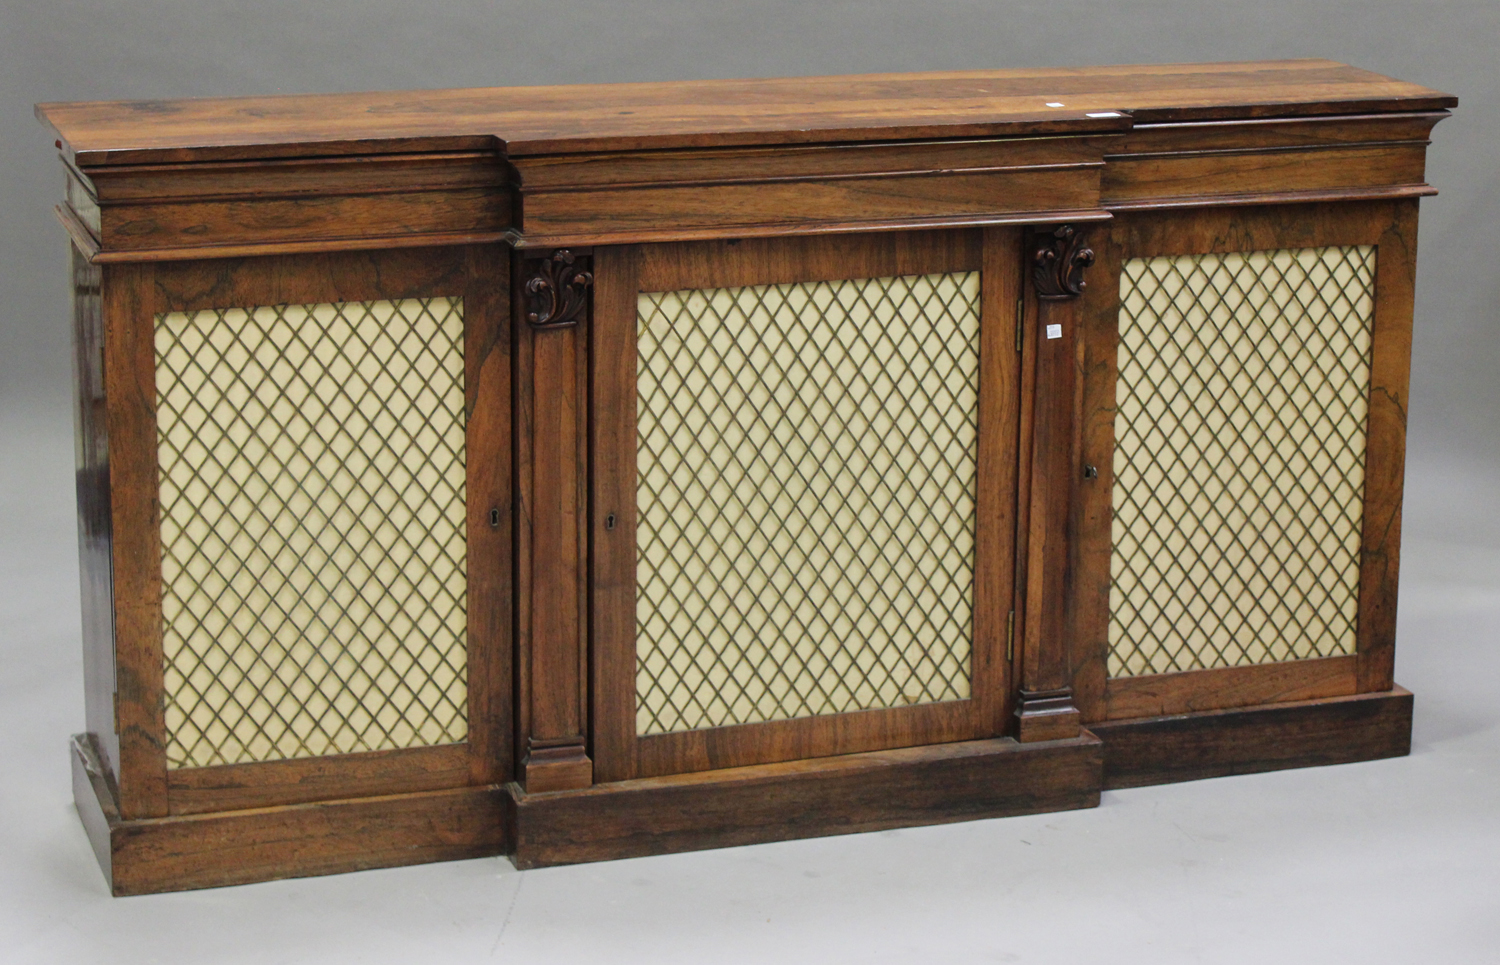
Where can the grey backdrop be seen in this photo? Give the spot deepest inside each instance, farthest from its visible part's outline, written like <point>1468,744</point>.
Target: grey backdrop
<point>89,49</point>
<point>1364,867</point>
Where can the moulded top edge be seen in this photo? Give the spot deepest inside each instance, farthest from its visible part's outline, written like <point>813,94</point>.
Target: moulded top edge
<point>719,113</point>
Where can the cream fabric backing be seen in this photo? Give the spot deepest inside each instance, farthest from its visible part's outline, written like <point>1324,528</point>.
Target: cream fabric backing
<point>311,464</point>
<point>1239,458</point>
<point>805,498</point>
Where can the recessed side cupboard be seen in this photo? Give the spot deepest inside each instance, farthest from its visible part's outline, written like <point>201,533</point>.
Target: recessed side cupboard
<point>573,473</point>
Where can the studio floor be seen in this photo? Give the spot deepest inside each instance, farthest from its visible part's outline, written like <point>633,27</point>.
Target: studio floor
<point>1391,861</point>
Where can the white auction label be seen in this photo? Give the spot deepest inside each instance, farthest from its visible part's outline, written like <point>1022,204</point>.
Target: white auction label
<point>1054,331</point>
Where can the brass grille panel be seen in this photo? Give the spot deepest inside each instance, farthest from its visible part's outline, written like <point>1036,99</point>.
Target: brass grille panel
<point>1239,458</point>
<point>805,498</point>
<point>311,463</point>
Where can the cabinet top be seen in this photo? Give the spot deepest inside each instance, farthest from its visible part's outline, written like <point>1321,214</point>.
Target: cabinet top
<point>718,113</point>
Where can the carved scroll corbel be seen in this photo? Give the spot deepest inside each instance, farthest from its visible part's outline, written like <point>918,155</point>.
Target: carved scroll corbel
<point>1057,262</point>
<point>557,289</point>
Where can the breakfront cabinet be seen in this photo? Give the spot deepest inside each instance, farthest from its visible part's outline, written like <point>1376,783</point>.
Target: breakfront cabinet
<point>580,472</point>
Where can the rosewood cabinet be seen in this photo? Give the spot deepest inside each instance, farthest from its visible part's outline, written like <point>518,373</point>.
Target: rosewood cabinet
<point>574,473</point>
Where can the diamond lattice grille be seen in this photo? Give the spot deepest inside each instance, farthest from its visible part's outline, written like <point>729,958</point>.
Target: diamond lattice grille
<point>805,498</point>
<point>1239,458</point>
<point>311,463</point>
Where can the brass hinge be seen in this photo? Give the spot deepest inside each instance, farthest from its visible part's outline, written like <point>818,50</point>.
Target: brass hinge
<point>1020,320</point>
<point>1010,636</point>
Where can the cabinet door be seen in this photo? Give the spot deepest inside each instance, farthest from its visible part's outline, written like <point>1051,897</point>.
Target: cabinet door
<point>1244,404</point>
<point>311,480</point>
<point>803,496</point>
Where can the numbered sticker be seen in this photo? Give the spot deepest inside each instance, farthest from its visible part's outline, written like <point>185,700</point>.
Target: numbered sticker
<point>1054,331</point>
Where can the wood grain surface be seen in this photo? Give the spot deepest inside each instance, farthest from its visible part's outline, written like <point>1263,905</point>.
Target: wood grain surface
<point>1090,539</point>
<point>802,799</point>
<point>262,844</point>
<point>551,120</point>
<point>1189,747</point>
<point>129,294</point>
<point>551,458</point>
<point>1190,691</point>
<point>1045,710</point>
<point>234,787</point>
<point>91,485</point>
<point>639,163</point>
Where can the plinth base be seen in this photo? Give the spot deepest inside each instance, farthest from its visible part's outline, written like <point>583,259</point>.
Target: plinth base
<point>937,784</point>
<point>874,791</point>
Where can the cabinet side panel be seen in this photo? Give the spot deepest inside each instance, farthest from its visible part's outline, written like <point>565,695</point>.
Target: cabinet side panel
<point>91,478</point>
<point>1390,368</point>
<point>135,544</point>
